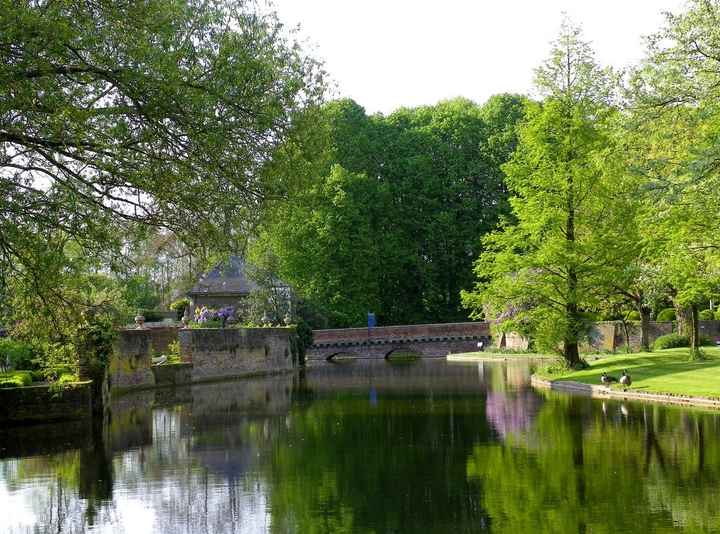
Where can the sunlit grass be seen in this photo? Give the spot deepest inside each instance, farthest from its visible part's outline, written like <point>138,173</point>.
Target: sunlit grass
<point>667,371</point>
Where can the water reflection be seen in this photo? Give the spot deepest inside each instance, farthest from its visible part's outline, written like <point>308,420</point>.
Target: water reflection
<point>368,446</point>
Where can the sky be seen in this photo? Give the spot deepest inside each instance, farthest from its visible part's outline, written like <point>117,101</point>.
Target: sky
<point>387,54</point>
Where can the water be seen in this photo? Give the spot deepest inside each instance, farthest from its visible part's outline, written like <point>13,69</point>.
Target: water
<point>368,447</point>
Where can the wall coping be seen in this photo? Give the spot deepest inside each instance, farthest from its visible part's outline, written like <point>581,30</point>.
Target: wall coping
<point>399,326</point>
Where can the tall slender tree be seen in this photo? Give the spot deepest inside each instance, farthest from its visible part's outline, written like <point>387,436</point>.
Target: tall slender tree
<point>540,267</point>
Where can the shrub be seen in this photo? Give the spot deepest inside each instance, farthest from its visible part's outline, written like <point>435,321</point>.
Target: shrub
<point>67,378</point>
<point>16,354</point>
<point>717,315</point>
<point>173,352</point>
<point>15,379</point>
<point>54,373</point>
<point>633,315</point>
<point>152,316</point>
<point>179,306</point>
<point>706,315</point>
<point>671,341</point>
<point>211,323</point>
<point>668,314</point>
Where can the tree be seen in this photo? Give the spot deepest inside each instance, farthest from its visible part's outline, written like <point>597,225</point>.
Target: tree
<point>399,238</point>
<point>542,262</point>
<point>675,94</point>
<point>164,113</point>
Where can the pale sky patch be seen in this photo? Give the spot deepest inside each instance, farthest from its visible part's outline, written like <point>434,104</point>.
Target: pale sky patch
<point>391,53</point>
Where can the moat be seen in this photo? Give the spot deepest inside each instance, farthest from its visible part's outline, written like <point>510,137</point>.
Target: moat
<point>367,446</point>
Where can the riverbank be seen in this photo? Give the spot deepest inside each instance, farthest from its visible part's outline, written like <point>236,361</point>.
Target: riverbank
<point>469,357</point>
<point>662,376</point>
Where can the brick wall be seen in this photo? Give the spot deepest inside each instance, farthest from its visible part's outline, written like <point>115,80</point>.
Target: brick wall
<point>424,331</point>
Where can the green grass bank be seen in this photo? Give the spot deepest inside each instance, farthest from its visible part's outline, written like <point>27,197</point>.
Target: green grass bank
<point>668,371</point>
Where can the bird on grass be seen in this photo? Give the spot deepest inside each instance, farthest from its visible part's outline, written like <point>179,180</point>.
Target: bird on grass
<point>625,379</point>
<point>606,379</point>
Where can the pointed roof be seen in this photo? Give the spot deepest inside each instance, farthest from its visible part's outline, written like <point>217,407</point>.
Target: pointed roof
<point>227,278</point>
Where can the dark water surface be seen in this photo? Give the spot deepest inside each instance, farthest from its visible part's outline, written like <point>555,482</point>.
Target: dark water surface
<point>368,447</point>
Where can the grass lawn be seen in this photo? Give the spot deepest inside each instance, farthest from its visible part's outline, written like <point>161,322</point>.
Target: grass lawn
<point>666,371</point>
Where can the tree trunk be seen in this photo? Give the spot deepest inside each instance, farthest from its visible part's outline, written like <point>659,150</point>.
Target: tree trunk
<point>644,327</point>
<point>694,329</point>
<point>570,349</point>
<point>684,319</point>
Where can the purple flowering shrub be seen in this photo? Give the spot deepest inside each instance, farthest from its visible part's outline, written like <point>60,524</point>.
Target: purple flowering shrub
<point>205,314</point>
<point>225,313</point>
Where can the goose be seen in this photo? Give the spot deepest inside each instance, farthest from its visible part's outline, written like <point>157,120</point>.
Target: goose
<point>625,379</point>
<point>607,379</point>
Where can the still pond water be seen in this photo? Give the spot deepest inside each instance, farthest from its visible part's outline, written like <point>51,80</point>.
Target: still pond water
<point>368,447</point>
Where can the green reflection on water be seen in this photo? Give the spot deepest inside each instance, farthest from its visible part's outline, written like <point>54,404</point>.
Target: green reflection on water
<point>370,447</point>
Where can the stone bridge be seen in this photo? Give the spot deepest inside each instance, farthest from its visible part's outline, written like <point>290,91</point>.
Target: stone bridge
<point>424,340</point>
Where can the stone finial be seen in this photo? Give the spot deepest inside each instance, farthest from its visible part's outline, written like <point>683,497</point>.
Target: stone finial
<point>140,321</point>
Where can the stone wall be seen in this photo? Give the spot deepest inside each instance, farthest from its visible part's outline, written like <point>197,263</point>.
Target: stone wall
<point>610,336</point>
<point>45,403</point>
<point>217,353</point>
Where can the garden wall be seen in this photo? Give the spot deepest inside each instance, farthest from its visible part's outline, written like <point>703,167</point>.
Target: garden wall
<point>207,354</point>
<point>217,353</point>
<point>610,336</point>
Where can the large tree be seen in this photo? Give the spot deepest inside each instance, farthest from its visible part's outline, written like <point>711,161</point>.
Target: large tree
<point>675,95</point>
<point>540,267</point>
<point>388,216</point>
<point>163,112</point>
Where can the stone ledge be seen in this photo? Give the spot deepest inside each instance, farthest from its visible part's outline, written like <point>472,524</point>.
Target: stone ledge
<point>603,392</point>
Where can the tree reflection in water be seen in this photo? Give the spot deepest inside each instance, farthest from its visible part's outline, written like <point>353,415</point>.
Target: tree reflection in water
<point>369,447</point>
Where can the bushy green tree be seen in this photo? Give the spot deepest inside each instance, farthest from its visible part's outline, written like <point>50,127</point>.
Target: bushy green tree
<point>675,94</point>
<point>387,215</point>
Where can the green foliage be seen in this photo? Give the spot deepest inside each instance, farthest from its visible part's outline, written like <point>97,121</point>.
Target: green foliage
<point>212,323</point>
<point>179,306</point>
<point>667,314</point>
<point>671,341</point>
<point>173,352</point>
<point>717,315</point>
<point>16,354</point>
<point>388,215</point>
<point>542,267</point>
<point>633,315</point>
<point>162,89</point>
<point>67,378</point>
<point>151,316</point>
<point>15,379</point>
<point>706,315</point>
<point>139,292</point>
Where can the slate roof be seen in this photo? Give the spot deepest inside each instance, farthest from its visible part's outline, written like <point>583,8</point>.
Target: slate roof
<point>228,278</point>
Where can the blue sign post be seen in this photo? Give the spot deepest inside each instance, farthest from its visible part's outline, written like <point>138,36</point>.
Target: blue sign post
<point>371,320</point>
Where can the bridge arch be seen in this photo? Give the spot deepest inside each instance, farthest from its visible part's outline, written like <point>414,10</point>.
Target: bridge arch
<point>403,350</point>
<point>341,355</point>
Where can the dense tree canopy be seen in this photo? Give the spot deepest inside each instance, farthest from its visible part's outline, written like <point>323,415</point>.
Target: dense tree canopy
<point>391,218</point>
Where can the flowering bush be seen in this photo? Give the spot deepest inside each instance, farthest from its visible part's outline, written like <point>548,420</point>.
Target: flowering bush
<point>205,314</point>
<point>211,318</point>
<point>225,313</point>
